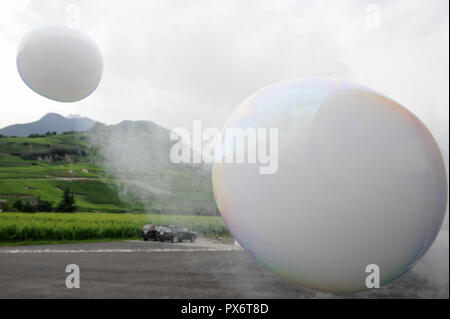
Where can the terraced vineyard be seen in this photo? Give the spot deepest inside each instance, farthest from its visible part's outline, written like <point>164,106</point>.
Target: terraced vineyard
<point>28,171</point>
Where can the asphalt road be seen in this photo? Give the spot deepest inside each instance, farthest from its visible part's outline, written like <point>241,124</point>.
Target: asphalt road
<point>135,269</point>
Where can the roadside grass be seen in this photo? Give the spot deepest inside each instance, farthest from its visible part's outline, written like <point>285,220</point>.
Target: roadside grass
<point>57,242</point>
<point>35,227</point>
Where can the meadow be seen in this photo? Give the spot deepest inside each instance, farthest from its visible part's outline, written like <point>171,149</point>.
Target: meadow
<point>38,227</point>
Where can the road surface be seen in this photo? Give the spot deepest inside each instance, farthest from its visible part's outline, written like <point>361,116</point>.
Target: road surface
<point>205,269</point>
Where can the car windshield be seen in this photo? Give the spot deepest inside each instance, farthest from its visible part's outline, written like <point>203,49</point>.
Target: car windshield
<point>146,226</point>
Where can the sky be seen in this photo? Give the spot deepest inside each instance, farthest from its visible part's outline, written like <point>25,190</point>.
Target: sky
<point>173,62</point>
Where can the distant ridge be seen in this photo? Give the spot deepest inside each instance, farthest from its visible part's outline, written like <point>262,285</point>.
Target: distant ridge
<point>50,122</point>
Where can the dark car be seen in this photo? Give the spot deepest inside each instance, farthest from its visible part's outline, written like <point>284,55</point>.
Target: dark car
<point>149,231</point>
<point>175,233</point>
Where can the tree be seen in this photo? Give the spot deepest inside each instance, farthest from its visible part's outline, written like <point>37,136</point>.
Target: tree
<point>67,203</point>
<point>44,206</point>
<point>18,205</point>
<point>5,206</point>
<point>29,208</point>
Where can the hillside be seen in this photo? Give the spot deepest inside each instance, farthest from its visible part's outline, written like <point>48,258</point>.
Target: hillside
<point>136,154</point>
<point>51,122</point>
<point>120,168</point>
<point>44,166</point>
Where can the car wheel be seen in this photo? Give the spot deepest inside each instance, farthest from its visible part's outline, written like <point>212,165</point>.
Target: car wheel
<point>145,239</point>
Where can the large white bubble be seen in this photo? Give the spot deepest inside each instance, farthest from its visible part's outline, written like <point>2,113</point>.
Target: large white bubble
<point>360,181</point>
<point>60,63</point>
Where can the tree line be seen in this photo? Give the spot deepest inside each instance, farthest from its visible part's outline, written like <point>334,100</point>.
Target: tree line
<point>36,135</point>
<point>66,205</point>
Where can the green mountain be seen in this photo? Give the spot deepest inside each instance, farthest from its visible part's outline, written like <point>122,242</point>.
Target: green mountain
<point>51,122</point>
<point>119,168</point>
<point>136,154</point>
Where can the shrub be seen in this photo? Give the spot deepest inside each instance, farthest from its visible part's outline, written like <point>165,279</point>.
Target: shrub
<point>29,208</point>
<point>18,205</point>
<point>34,135</point>
<point>44,206</point>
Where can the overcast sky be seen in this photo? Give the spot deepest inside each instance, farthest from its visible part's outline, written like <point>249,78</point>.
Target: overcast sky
<point>175,61</point>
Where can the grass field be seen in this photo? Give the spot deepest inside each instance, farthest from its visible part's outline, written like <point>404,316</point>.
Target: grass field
<point>38,227</point>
